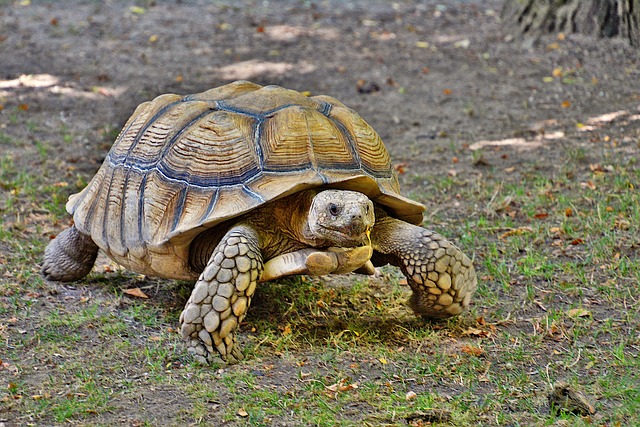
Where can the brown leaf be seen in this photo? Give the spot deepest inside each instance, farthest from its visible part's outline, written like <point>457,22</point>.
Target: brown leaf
<point>516,232</point>
<point>342,385</point>
<point>568,212</point>
<point>242,413</point>
<point>578,312</point>
<point>286,330</point>
<point>365,86</point>
<point>475,332</point>
<point>401,167</point>
<point>135,292</point>
<point>472,350</point>
<point>541,215</point>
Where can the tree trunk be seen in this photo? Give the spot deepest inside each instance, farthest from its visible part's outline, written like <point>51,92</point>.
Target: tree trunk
<point>599,18</point>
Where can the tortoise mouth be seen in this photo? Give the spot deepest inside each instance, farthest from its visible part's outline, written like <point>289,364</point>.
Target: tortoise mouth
<point>354,235</point>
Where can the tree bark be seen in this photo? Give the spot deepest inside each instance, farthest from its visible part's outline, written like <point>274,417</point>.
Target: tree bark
<point>599,18</point>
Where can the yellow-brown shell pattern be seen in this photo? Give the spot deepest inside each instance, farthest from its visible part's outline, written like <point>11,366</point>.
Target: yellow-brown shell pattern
<point>185,163</point>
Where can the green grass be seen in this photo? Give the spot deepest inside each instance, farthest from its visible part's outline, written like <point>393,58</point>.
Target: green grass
<point>557,301</point>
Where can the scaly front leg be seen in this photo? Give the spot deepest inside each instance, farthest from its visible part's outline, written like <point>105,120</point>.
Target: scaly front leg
<point>221,297</point>
<point>441,276</point>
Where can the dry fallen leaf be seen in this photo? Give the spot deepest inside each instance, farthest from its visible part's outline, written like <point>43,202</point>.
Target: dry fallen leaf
<point>472,350</point>
<point>135,292</point>
<point>137,10</point>
<point>365,86</point>
<point>286,330</point>
<point>475,332</point>
<point>578,312</point>
<point>401,168</point>
<point>342,385</point>
<point>242,413</point>
<point>516,232</point>
<point>410,395</point>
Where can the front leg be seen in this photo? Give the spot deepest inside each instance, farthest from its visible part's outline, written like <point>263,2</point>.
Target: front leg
<point>441,276</point>
<point>221,297</point>
<point>318,262</point>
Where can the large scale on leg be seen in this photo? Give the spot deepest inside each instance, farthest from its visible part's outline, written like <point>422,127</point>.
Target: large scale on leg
<point>242,184</point>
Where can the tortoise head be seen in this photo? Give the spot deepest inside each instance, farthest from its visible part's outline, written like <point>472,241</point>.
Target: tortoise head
<point>341,218</point>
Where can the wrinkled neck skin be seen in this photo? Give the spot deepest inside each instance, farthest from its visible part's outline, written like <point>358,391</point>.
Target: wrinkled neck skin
<point>284,224</point>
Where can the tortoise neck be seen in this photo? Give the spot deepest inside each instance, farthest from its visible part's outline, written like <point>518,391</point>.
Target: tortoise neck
<point>282,226</point>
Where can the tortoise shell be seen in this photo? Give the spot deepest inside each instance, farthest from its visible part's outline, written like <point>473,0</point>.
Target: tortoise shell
<point>183,164</point>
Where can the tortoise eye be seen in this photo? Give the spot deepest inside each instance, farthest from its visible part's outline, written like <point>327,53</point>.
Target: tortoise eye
<point>334,209</point>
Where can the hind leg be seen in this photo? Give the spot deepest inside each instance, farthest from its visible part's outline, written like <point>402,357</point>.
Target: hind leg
<point>70,256</point>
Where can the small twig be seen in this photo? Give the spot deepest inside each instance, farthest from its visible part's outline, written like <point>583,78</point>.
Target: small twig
<point>575,362</point>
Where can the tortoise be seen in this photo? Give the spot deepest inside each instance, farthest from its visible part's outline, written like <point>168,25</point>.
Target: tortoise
<point>242,184</point>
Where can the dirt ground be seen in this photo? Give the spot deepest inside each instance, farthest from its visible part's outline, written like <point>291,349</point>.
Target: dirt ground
<point>453,97</point>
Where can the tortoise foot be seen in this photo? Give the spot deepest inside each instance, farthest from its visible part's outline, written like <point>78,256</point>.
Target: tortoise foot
<point>69,257</point>
<point>221,297</point>
<point>441,277</point>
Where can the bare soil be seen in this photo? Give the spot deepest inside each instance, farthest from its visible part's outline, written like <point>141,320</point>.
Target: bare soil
<point>455,100</point>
